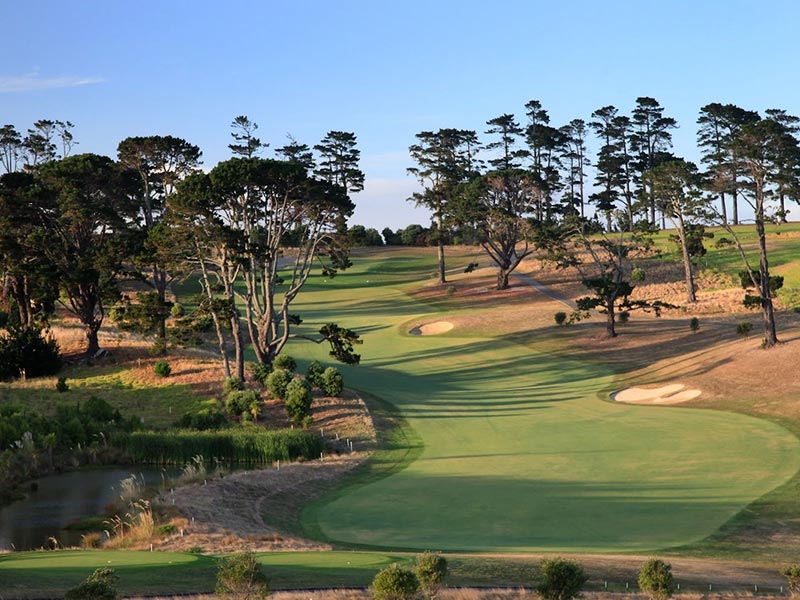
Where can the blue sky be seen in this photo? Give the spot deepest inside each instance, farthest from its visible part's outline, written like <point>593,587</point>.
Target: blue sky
<point>382,70</point>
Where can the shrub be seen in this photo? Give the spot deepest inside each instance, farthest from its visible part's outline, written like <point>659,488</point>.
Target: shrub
<point>655,579</point>
<point>744,328</point>
<point>177,311</point>
<point>30,352</point>
<point>284,361</point>
<point>240,576</point>
<point>792,574</point>
<point>261,372</point>
<point>159,348</point>
<point>277,382</point>
<point>694,324</point>
<point>332,381</point>
<point>298,400</point>
<point>231,384</point>
<point>561,318</point>
<point>166,529</point>
<point>638,275</point>
<point>62,385</point>
<point>100,585</point>
<point>203,419</point>
<point>162,368</point>
<point>623,316</point>
<point>395,583</point>
<point>195,550</point>
<point>241,402</point>
<point>561,579</point>
<point>314,374</point>
<point>431,570</point>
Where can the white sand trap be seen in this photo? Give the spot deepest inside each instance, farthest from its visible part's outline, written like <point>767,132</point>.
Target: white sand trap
<point>669,394</point>
<point>432,328</point>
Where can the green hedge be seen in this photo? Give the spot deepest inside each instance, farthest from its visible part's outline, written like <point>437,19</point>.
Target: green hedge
<point>229,446</point>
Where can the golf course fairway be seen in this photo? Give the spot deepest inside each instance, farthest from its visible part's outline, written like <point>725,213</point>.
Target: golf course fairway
<point>518,450</point>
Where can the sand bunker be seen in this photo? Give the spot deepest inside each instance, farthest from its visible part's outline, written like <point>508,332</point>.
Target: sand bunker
<point>669,394</point>
<point>432,328</point>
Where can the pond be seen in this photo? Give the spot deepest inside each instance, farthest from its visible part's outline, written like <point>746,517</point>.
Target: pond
<point>56,501</point>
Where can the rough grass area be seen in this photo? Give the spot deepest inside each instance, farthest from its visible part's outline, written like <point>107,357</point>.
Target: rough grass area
<point>127,383</point>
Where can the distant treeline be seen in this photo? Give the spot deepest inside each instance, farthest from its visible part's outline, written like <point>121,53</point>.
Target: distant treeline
<point>413,235</point>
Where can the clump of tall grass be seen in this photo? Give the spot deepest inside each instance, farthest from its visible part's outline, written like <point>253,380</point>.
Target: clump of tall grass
<point>194,470</point>
<point>229,446</point>
<point>135,526</point>
<point>130,489</point>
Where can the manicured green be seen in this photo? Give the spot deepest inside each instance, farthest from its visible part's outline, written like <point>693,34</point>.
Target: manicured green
<point>520,452</point>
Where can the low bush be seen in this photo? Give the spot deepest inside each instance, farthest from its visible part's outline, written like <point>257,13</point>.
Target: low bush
<point>744,328</point>
<point>560,317</point>
<point>298,401</point>
<point>28,353</point>
<point>694,324</point>
<point>332,382</point>
<point>162,368</point>
<point>284,361</point>
<point>314,374</point>
<point>166,529</point>
<point>231,384</point>
<point>261,372</point>
<point>792,574</point>
<point>431,571</point>
<point>277,382</point>
<point>62,385</point>
<point>100,585</point>
<point>205,418</point>
<point>395,583</point>
<point>655,579</point>
<point>561,579</point>
<point>242,402</point>
<point>240,576</point>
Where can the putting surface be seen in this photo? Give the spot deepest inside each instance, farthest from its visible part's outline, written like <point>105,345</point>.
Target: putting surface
<point>519,451</point>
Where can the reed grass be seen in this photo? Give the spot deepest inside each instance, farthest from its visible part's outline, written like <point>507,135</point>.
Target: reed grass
<point>230,446</point>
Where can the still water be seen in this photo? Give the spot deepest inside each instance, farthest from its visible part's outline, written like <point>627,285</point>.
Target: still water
<point>60,499</point>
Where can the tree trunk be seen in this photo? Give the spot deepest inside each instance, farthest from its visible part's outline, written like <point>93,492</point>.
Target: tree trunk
<point>92,343</point>
<point>502,278</point>
<point>238,345</point>
<point>611,318</point>
<point>440,224</point>
<point>691,296</point>
<point>770,333</point>
<point>160,283</point>
<point>782,215</point>
<point>723,207</point>
<point>226,365</point>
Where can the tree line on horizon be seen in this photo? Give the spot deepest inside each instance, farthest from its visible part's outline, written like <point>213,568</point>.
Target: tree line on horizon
<point>526,188</point>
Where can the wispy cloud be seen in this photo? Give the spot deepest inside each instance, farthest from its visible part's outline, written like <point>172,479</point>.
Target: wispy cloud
<point>34,82</point>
